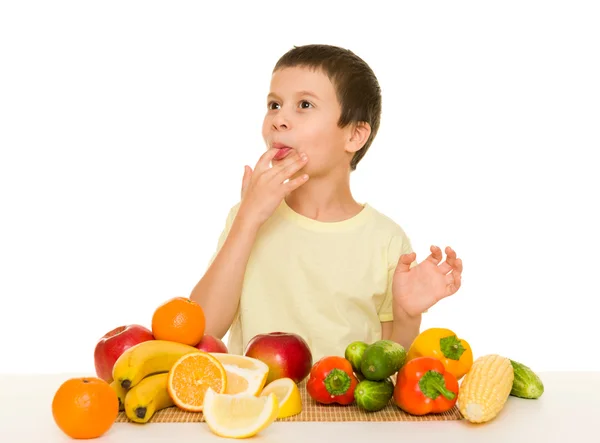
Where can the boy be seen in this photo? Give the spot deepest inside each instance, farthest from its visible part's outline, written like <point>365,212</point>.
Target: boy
<point>298,253</point>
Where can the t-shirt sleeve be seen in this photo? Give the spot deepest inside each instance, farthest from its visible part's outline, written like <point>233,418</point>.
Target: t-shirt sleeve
<point>225,232</point>
<point>399,245</point>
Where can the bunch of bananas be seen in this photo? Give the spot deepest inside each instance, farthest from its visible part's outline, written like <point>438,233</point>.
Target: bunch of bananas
<point>140,377</point>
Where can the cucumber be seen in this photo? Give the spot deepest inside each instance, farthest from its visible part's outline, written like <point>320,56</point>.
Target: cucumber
<point>373,395</point>
<point>382,359</point>
<point>526,383</point>
<point>354,353</point>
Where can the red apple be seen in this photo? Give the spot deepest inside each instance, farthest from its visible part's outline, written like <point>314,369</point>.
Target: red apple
<point>211,344</point>
<point>286,354</point>
<point>110,347</point>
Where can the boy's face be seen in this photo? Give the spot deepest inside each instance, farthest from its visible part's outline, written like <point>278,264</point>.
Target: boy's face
<point>302,113</point>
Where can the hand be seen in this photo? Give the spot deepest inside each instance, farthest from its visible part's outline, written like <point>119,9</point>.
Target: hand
<point>416,290</point>
<point>264,189</point>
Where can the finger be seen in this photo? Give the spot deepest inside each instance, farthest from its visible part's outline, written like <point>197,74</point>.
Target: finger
<point>291,168</point>
<point>458,266</point>
<point>288,160</point>
<point>295,183</point>
<point>264,161</point>
<point>246,179</point>
<point>445,267</point>
<point>450,256</point>
<point>456,275</point>
<point>404,262</point>
<point>450,263</point>
<point>436,255</point>
<point>453,282</point>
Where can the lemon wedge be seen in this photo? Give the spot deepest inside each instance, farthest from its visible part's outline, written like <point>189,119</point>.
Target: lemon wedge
<point>238,416</point>
<point>288,396</point>
<point>245,375</point>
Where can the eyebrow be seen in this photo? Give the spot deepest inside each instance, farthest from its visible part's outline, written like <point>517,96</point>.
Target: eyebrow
<point>301,93</point>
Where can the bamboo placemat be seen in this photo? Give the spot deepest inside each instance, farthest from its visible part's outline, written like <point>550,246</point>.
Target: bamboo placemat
<point>312,411</point>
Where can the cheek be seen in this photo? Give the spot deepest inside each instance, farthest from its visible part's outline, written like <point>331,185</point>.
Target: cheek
<point>265,128</point>
<point>316,139</point>
<point>322,141</point>
<point>313,147</point>
<point>319,157</point>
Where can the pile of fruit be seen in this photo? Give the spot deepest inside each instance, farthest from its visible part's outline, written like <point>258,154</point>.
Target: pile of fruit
<point>141,371</point>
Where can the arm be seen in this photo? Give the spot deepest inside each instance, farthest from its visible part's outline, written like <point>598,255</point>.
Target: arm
<point>219,290</point>
<point>403,329</point>
<point>396,324</point>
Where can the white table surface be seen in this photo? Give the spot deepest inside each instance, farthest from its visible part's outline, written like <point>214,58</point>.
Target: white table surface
<point>568,411</point>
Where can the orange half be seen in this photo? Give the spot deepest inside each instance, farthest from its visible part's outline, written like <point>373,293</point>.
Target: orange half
<point>191,376</point>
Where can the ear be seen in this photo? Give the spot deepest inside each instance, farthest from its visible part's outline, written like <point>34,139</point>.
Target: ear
<point>359,134</point>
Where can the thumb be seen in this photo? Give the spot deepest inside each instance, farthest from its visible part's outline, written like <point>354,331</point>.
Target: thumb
<point>404,262</point>
<point>246,179</point>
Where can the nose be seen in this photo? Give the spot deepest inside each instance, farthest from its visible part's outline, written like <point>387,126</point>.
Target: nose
<point>280,122</point>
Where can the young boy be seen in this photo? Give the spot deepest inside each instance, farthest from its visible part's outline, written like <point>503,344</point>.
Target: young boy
<point>298,253</point>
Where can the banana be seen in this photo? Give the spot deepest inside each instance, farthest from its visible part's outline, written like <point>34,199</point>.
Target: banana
<point>121,392</point>
<point>147,397</point>
<point>147,358</point>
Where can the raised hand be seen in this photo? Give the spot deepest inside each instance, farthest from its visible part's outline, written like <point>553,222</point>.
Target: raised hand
<point>263,189</point>
<point>416,290</point>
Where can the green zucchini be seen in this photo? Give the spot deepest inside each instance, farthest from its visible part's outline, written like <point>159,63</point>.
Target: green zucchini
<point>526,383</point>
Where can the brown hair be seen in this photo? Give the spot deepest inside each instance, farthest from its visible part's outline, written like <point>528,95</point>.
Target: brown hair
<point>356,86</point>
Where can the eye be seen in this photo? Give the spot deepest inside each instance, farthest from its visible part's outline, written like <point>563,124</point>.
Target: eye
<point>271,104</point>
<point>303,103</point>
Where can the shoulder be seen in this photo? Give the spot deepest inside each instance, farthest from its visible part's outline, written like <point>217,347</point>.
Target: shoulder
<point>392,234</point>
<point>386,224</point>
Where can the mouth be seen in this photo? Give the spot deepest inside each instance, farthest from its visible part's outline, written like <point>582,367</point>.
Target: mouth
<point>283,151</point>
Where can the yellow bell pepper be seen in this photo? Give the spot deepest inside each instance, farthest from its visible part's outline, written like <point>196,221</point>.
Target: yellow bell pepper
<point>443,344</point>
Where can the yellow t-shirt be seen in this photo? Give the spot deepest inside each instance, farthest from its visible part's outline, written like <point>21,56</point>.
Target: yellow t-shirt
<point>329,282</point>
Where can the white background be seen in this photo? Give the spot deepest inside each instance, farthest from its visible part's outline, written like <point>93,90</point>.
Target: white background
<point>125,127</point>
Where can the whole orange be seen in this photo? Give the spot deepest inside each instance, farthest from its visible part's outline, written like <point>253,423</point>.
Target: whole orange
<point>179,319</point>
<point>85,407</point>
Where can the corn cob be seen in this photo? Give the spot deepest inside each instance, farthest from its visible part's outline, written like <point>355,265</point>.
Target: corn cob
<point>485,388</point>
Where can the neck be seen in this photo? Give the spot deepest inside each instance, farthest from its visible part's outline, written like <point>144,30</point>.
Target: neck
<point>325,198</point>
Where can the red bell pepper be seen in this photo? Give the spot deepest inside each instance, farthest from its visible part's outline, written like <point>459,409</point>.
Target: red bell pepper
<point>332,380</point>
<point>424,386</point>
